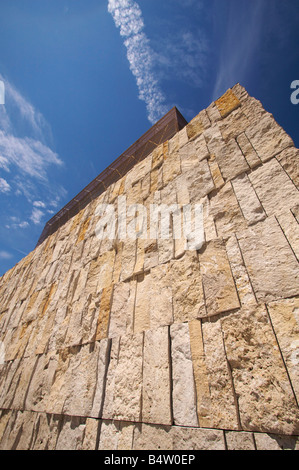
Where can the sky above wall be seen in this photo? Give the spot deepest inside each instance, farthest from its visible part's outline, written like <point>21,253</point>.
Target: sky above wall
<point>84,79</point>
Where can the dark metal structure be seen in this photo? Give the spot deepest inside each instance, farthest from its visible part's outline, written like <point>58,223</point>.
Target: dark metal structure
<point>162,131</point>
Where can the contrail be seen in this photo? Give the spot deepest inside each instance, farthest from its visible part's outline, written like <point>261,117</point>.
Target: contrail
<point>127,16</point>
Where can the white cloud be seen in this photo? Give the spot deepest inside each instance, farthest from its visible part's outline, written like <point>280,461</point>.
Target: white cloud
<point>36,216</point>
<point>127,16</point>
<point>4,186</point>
<point>28,155</point>
<point>5,255</point>
<point>24,224</point>
<point>39,204</point>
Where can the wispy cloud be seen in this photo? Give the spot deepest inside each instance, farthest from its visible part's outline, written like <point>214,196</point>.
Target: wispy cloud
<point>26,156</point>
<point>5,255</point>
<point>4,186</point>
<point>36,216</point>
<point>128,18</point>
<point>242,39</point>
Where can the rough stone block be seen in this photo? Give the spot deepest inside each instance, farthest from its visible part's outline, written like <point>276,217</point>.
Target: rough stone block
<point>265,398</point>
<point>218,283</point>
<point>270,262</point>
<point>183,391</point>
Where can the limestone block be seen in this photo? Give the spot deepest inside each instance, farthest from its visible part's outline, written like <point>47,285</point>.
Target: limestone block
<point>289,160</point>
<point>142,306</point>
<point>215,172</point>
<point>187,290</point>
<point>248,151</point>
<point>90,435</point>
<point>198,181</point>
<point>251,107</point>
<point>243,285</point>
<point>104,350</point>
<point>10,374</point>
<point>104,313</point>
<point>157,157</point>
<point>100,273</point>
<point>208,220</point>
<point>235,123</point>
<point>128,379</point>
<point>226,212</point>
<point>239,441</point>
<point>83,230</point>
<point>160,297</point>
<point>183,137</point>
<point>153,305</point>
<point>5,416</point>
<point>231,161</point>
<point>128,259</point>
<point>201,149</point>
<point>201,377</point>
<point>122,309</point>
<point>124,379</point>
<point>195,127</point>
<point>156,406</point>
<point>183,390</point>
<point>24,373</point>
<point>270,262</point>
<point>276,442</point>
<point>188,156</point>
<point>59,386</point>
<point>109,432</point>
<point>39,386</point>
<point>268,138</point>
<point>218,283</point>
<point>275,190</point>
<point>171,168</point>
<point>290,227</point>
<point>285,320</point>
<point>248,200</point>
<point>227,103</point>
<point>220,408</point>
<point>140,256</point>
<point>197,439</point>
<point>45,432</point>
<point>71,434</point>
<point>15,439</point>
<point>81,379</point>
<point>152,437</point>
<point>116,435</point>
<point>265,398</point>
<point>213,113</point>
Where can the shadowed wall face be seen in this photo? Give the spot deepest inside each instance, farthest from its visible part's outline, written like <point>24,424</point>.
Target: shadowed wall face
<point>153,343</point>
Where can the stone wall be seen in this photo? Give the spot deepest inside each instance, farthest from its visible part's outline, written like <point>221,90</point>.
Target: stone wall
<point>144,344</point>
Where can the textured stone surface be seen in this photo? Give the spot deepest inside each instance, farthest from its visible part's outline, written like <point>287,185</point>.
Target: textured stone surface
<point>275,190</point>
<point>268,138</point>
<point>284,316</point>
<point>239,441</point>
<point>219,287</point>
<point>250,205</point>
<point>220,409</point>
<point>184,411</point>
<point>257,367</point>
<point>226,212</point>
<point>145,343</point>
<point>270,262</point>
<point>227,103</point>
<point>156,377</point>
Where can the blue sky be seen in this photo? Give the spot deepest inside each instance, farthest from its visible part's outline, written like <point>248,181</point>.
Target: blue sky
<point>84,79</point>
